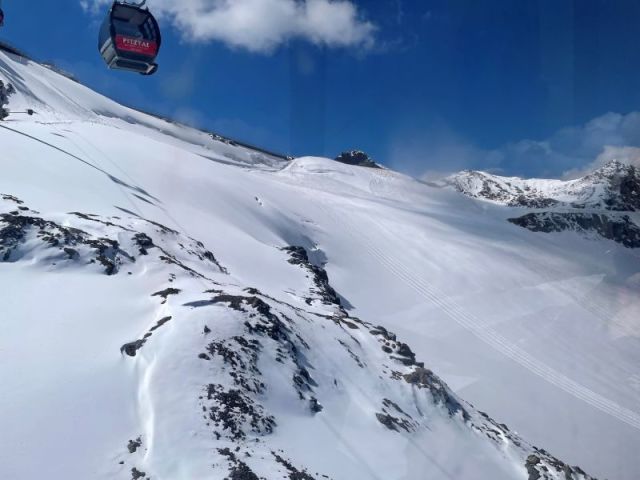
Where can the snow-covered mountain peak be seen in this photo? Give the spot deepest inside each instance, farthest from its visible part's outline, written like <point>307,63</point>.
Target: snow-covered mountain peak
<point>621,184</point>
<point>613,168</point>
<point>602,203</point>
<point>614,186</point>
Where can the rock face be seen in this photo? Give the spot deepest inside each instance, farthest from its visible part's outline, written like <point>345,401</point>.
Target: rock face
<point>601,203</point>
<point>5,91</point>
<point>617,228</point>
<point>357,158</point>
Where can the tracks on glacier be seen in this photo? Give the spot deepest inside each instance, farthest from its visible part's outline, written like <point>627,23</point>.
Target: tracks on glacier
<point>474,325</point>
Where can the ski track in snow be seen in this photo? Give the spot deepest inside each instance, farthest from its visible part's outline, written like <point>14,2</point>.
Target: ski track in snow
<point>381,189</point>
<point>474,325</point>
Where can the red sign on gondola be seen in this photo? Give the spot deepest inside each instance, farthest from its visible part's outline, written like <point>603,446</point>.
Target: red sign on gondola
<point>136,45</point>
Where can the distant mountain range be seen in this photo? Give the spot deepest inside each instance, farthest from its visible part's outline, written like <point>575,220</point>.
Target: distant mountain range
<point>604,202</point>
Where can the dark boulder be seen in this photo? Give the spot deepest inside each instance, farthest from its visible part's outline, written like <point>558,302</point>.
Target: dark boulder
<point>132,348</point>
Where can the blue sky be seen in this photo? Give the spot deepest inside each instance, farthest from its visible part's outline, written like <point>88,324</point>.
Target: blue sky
<point>531,87</point>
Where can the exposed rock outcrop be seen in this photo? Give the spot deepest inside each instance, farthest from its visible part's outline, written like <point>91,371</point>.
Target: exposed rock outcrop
<point>357,158</point>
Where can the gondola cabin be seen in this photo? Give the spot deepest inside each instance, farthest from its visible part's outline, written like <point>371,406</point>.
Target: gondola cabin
<point>130,39</point>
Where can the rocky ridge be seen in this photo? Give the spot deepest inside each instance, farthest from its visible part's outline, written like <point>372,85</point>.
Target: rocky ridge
<point>266,335</point>
<point>603,203</point>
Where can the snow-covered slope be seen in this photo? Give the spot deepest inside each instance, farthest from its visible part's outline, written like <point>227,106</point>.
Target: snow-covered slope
<point>176,307</point>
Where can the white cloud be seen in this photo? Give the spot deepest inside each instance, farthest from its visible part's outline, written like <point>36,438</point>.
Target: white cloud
<point>628,155</point>
<point>568,153</point>
<point>573,151</point>
<point>262,25</point>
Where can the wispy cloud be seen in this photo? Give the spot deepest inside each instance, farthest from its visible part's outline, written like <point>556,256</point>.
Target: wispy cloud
<point>628,155</point>
<point>261,26</point>
<point>568,153</point>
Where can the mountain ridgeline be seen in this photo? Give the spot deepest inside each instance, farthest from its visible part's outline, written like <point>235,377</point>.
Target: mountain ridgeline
<point>602,203</point>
